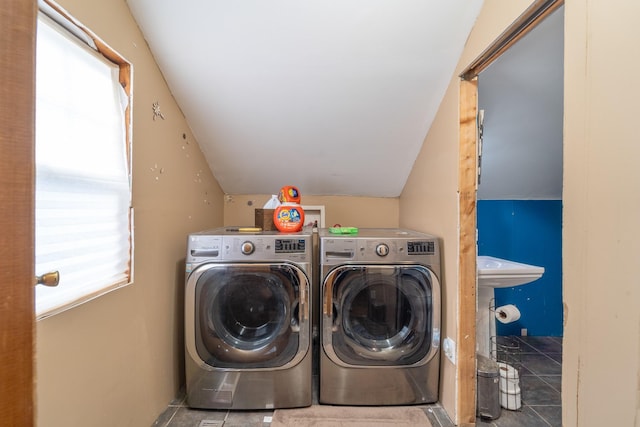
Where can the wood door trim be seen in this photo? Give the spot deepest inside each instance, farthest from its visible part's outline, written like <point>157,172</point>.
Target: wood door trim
<point>531,17</point>
<point>17,123</point>
<point>467,172</point>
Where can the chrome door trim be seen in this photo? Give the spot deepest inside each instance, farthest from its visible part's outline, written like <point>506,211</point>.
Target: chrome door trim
<point>304,307</point>
<point>327,322</point>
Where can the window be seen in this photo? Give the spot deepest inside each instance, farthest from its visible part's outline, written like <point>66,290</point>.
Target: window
<point>83,180</point>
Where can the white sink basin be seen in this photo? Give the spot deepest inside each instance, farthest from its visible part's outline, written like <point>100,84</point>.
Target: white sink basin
<point>497,273</point>
<point>501,273</point>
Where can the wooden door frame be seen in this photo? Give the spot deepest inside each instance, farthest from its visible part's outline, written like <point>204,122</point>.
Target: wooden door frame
<point>17,124</point>
<point>467,200</point>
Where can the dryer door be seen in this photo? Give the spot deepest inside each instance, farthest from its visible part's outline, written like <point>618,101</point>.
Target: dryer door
<point>247,316</point>
<point>377,315</point>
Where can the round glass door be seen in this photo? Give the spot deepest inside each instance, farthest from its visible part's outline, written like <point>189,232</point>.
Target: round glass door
<point>249,316</point>
<point>380,315</point>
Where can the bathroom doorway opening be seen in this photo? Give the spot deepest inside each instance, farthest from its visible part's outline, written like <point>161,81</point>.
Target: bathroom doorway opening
<point>519,197</point>
<point>468,168</point>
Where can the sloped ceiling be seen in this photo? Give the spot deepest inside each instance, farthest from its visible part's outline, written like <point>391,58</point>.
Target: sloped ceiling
<point>334,97</point>
<point>522,98</point>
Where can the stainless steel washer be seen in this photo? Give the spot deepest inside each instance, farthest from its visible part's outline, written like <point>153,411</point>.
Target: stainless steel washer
<point>247,320</point>
<point>380,318</point>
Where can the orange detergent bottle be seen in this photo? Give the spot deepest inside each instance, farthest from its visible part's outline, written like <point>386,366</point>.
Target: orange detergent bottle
<point>289,218</point>
<point>289,194</point>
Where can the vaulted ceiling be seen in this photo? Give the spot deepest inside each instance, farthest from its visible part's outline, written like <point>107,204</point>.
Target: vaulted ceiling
<point>334,97</point>
<point>521,95</point>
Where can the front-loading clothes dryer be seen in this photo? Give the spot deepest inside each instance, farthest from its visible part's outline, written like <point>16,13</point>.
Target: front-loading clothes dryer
<point>247,320</point>
<point>380,318</point>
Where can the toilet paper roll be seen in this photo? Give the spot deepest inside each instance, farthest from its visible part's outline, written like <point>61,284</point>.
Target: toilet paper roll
<point>507,313</point>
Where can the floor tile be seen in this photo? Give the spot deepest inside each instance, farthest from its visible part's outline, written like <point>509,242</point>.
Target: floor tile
<point>526,348</point>
<point>540,364</point>
<point>537,392</point>
<point>551,414</point>
<point>248,419</point>
<point>165,417</point>
<point>525,417</point>
<point>555,356</point>
<point>187,417</point>
<point>543,344</point>
<point>554,381</point>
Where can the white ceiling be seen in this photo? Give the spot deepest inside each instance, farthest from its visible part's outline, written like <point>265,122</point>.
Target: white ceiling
<point>522,97</point>
<point>335,97</point>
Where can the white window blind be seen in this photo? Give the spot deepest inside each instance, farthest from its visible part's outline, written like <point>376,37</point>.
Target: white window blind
<point>83,192</point>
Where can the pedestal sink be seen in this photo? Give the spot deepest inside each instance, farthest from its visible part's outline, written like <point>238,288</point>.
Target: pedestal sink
<point>497,273</point>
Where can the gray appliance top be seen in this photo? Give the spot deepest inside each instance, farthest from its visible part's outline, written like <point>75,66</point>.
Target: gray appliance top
<point>378,233</point>
<point>245,230</point>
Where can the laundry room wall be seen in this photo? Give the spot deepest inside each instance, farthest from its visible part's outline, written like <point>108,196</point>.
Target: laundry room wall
<point>118,360</point>
<point>429,201</point>
<point>348,211</point>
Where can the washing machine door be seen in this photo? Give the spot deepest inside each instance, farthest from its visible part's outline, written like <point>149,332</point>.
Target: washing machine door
<point>248,316</point>
<point>381,315</point>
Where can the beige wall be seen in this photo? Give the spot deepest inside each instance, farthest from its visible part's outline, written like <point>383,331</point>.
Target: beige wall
<point>348,211</point>
<point>601,372</point>
<point>117,360</point>
<point>429,201</point>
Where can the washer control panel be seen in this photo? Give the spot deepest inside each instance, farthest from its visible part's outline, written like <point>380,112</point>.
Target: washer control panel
<point>288,246</point>
<point>249,247</point>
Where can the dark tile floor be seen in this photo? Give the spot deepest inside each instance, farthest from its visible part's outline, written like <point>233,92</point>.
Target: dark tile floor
<point>540,370</point>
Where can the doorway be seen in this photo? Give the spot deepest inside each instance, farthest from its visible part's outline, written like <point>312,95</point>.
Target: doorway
<point>519,199</point>
<point>468,175</point>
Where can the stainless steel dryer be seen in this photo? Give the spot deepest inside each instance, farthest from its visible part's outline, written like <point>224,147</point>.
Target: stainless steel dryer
<point>380,317</point>
<point>247,320</point>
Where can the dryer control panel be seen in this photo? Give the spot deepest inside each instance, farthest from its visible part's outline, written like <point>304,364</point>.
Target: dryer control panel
<point>421,247</point>
<point>336,250</point>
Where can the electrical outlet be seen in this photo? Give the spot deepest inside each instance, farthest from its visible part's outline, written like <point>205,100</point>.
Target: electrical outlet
<point>523,332</point>
<point>449,348</point>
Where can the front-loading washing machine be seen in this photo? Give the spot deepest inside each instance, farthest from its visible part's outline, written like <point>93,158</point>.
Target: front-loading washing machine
<point>248,320</point>
<point>380,318</point>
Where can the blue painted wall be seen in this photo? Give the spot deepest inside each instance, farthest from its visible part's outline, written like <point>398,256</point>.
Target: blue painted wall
<point>528,231</point>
